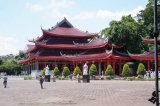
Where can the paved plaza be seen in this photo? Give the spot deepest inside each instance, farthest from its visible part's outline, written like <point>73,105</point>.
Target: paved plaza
<point>71,93</point>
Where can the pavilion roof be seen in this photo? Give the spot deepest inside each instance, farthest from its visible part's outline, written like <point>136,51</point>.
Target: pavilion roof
<point>98,43</point>
<point>66,29</point>
<point>109,55</point>
<point>144,56</point>
<point>29,48</point>
<point>150,41</point>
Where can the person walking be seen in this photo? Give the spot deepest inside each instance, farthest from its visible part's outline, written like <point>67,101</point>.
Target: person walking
<point>5,81</point>
<point>41,80</point>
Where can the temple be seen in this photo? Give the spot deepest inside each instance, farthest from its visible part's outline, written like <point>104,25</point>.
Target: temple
<point>148,57</point>
<point>64,44</point>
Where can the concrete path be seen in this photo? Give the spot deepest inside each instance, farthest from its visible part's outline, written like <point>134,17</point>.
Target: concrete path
<point>71,93</point>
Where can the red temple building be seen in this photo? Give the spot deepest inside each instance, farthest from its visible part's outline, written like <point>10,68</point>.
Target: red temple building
<point>148,57</point>
<point>64,44</point>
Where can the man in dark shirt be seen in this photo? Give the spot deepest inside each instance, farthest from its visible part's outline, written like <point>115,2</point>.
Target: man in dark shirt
<point>41,81</point>
<point>5,81</point>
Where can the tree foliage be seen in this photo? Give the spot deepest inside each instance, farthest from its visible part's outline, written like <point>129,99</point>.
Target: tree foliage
<point>126,70</point>
<point>66,71</point>
<point>56,71</point>
<point>93,70</point>
<point>10,67</point>
<point>20,56</point>
<point>126,32</point>
<point>43,72</point>
<point>77,70</point>
<point>109,70</point>
<point>141,69</point>
<point>146,17</point>
<point>1,61</point>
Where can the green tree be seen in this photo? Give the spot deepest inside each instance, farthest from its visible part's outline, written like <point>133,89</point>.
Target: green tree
<point>20,56</point>
<point>77,70</point>
<point>146,17</point>
<point>93,70</point>
<point>141,69</point>
<point>126,70</point>
<point>1,61</point>
<point>55,71</point>
<point>109,70</point>
<point>10,67</point>
<point>126,32</point>
<point>66,71</point>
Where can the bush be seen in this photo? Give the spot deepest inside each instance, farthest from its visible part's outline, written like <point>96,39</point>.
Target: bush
<point>126,70</point>
<point>93,70</point>
<point>77,71</point>
<point>43,72</point>
<point>66,71</point>
<point>27,78</point>
<point>107,77</point>
<point>141,69</point>
<point>56,71</point>
<point>131,78</point>
<point>109,71</point>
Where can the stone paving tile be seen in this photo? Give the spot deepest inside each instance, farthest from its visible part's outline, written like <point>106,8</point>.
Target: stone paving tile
<point>72,93</point>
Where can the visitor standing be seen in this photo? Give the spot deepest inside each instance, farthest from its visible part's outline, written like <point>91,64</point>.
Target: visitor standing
<point>5,81</point>
<point>41,80</point>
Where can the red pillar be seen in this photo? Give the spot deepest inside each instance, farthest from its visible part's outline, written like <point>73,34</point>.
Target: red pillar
<point>149,68</point>
<point>104,67</point>
<point>82,68</point>
<point>120,67</point>
<point>113,65</point>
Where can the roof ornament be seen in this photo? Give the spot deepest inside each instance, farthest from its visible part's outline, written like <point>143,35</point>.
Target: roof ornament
<point>75,43</point>
<point>79,44</point>
<point>90,40</point>
<point>74,55</point>
<point>42,28</point>
<point>107,39</point>
<point>142,37</point>
<point>107,50</point>
<point>130,54</point>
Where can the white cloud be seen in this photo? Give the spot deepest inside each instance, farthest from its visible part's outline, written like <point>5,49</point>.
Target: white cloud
<point>54,9</point>
<point>51,6</point>
<point>58,14</point>
<point>136,10</point>
<point>37,7</point>
<point>8,45</point>
<point>58,4</point>
<point>84,15</point>
<point>106,14</point>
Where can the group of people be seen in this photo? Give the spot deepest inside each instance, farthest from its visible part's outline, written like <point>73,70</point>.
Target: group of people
<point>85,72</point>
<point>41,78</point>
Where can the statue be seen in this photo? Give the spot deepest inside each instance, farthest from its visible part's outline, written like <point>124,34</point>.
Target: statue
<point>47,70</point>
<point>102,72</point>
<point>85,69</point>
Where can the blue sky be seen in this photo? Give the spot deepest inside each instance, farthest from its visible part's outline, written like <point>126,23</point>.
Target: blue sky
<point>20,20</point>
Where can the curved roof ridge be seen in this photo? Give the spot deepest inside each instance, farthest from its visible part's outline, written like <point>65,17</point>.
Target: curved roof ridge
<point>86,32</point>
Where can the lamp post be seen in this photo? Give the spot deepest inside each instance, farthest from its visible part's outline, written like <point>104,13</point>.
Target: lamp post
<point>156,54</point>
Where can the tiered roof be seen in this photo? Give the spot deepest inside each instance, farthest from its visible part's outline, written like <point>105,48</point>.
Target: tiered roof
<point>64,29</point>
<point>146,56</point>
<point>106,55</point>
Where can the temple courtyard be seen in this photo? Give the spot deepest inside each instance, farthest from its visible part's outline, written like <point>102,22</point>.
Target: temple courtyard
<point>72,93</point>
